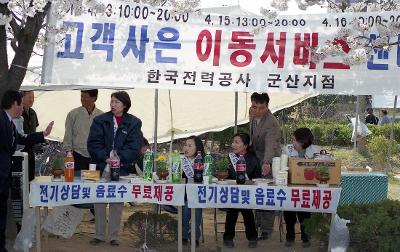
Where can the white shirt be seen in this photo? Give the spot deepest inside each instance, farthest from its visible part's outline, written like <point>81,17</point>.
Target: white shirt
<point>77,128</point>
<point>292,152</point>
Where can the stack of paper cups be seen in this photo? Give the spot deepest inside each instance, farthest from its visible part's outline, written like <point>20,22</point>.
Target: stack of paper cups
<point>276,166</point>
<point>284,161</point>
<point>92,167</point>
<point>282,178</point>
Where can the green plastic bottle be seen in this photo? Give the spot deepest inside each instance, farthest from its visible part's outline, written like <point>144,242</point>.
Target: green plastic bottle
<point>176,167</point>
<point>208,166</point>
<point>148,165</point>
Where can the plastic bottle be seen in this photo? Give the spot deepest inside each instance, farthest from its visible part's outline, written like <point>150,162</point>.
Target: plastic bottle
<point>148,165</point>
<point>176,167</point>
<point>114,165</point>
<point>241,170</point>
<point>198,168</point>
<point>69,167</point>
<point>105,176</point>
<point>208,166</point>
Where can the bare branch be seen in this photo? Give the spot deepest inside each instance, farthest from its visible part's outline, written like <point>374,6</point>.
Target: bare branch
<point>15,27</point>
<point>16,17</point>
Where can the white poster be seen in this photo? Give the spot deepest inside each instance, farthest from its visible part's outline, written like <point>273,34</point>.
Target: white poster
<point>139,46</point>
<point>281,198</point>
<point>62,193</point>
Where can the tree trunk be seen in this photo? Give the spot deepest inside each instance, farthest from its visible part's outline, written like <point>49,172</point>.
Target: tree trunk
<point>3,56</point>
<point>26,38</point>
<point>3,50</point>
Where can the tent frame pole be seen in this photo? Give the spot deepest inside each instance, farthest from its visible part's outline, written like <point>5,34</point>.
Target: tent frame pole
<point>389,153</point>
<point>356,131</point>
<point>236,112</point>
<point>155,127</point>
<point>48,56</point>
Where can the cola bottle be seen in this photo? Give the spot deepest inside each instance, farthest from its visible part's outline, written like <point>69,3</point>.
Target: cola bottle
<point>241,171</point>
<point>198,168</point>
<point>114,165</point>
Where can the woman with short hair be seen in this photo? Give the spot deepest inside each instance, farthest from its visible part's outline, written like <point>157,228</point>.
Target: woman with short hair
<point>119,130</point>
<point>301,147</point>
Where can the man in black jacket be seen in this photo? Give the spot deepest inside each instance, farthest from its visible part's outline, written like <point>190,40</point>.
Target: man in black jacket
<point>11,107</point>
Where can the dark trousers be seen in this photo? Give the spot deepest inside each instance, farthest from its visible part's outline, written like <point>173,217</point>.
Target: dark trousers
<point>290,220</point>
<point>81,162</point>
<point>249,223</point>
<point>3,219</point>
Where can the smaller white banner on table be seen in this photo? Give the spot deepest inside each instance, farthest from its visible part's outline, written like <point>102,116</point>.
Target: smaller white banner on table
<point>288,198</point>
<point>62,193</point>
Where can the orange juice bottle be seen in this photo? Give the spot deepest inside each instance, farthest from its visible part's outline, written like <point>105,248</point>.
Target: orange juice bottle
<point>69,167</point>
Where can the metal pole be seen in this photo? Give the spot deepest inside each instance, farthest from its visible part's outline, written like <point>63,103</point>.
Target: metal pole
<point>180,228</point>
<point>236,112</point>
<point>38,228</point>
<point>389,154</point>
<point>355,135</point>
<point>155,126</point>
<point>193,230</point>
<point>155,206</point>
<point>48,55</point>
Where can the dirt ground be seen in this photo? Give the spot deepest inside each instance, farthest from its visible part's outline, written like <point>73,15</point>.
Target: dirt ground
<point>85,231</point>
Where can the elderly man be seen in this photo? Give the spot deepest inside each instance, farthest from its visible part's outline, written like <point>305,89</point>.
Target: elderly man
<point>265,136</point>
<point>30,124</point>
<point>11,105</point>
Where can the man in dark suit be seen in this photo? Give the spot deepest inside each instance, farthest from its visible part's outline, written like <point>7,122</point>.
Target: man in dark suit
<point>11,107</point>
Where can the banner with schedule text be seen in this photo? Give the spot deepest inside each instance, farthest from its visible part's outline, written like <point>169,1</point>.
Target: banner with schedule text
<point>133,45</point>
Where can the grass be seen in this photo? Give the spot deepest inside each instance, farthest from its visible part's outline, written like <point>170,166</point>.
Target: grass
<point>363,158</point>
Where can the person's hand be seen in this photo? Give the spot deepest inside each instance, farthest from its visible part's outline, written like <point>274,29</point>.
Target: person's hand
<point>266,169</point>
<point>108,161</point>
<point>250,113</point>
<point>48,129</point>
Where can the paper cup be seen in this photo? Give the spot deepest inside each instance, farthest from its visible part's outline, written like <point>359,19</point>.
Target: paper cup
<point>284,161</point>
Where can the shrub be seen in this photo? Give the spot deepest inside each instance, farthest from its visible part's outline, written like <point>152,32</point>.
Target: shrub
<point>377,147</point>
<point>157,228</point>
<point>373,227</point>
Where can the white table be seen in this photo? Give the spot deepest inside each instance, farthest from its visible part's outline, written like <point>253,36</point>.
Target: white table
<point>45,193</point>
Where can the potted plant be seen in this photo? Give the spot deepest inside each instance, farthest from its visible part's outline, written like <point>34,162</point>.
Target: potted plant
<point>57,168</point>
<point>322,174</point>
<point>221,168</point>
<point>162,169</point>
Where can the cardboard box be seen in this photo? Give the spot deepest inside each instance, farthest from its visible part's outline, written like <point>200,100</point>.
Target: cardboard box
<point>305,171</point>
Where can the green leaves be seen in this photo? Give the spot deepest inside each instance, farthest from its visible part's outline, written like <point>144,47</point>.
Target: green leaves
<point>373,227</point>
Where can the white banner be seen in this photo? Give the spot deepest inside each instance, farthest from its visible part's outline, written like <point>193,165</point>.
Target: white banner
<point>139,46</point>
<point>63,193</point>
<point>281,198</point>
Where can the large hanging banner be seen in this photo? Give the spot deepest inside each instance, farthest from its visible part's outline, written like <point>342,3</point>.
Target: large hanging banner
<point>140,46</point>
<point>62,193</point>
<point>281,198</point>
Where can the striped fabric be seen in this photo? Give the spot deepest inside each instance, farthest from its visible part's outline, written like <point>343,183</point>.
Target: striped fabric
<point>363,187</point>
